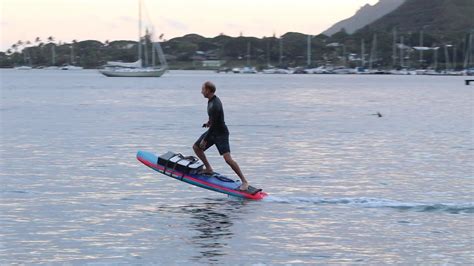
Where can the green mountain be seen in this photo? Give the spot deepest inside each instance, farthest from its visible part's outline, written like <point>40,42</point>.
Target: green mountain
<point>437,17</point>
<point>364,16</point>
<point>429,23</point>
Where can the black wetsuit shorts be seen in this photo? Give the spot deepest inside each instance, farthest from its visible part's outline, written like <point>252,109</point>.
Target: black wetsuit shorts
<point>221,142</point>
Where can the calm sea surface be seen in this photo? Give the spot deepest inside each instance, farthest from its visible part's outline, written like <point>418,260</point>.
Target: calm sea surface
<point>345,185</point>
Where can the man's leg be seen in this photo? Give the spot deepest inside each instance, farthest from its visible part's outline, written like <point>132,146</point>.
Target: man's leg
<point>201,155</point>
<point>233,164</point>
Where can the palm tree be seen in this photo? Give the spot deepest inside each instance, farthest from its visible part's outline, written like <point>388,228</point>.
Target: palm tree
<point>15,47</point>
<point>19,44</point>
<point>38,41</point>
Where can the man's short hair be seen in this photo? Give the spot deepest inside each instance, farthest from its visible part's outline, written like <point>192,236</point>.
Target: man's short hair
<point>210,86</point>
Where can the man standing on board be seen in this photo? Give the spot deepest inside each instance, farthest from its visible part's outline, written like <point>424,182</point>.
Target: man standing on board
<point>217,134</point>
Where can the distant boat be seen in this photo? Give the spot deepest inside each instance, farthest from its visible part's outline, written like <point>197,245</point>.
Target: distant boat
<point>299,70</point>
<point>273,70</point>
<point>248,70</point>
<point>51,68</point>
<point>136,69</point>
<point>343,70</point>
<point>244,70</point>
<point>71,67</point>
<point>23,68</point>
<point>319,70</point>
<point>403,71</point>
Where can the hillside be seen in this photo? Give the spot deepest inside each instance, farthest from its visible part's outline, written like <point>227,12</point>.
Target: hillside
<point>443,18</point>
<point>366,15</point>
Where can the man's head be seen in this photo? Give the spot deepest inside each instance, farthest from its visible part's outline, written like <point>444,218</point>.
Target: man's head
<point>208,89</point>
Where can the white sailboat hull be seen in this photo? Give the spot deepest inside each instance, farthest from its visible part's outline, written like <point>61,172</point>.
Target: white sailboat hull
<point>142,72</point>
<point>71,67</point>
<point>23,68</point>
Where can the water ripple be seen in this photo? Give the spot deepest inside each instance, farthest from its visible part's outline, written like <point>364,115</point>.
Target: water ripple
<point>380,203</point>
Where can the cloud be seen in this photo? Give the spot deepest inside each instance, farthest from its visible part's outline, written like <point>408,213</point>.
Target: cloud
<point>175,24</point>
<point>233,26</point>
<point>128,19</point>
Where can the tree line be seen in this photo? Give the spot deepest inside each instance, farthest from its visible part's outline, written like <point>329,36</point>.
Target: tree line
<point>378,49</point>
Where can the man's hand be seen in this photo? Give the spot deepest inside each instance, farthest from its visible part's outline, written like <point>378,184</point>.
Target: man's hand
<point>203,144</point>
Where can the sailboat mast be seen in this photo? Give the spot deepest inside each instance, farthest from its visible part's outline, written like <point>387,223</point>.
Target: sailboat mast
<point>467,54</point>
<point>145,49</point>
<point>470,48</point>
<point>446,57</point>
<point>53,55</point>
<point>281,51</point>
<point>309,51</point>
<point>454,57</point>
<point>72,53</point>
<point>394,55</point>
<point>344,58</point>
<point>153,61</point>
<point>402,46</point>
<point>248,53</point>
<point>373,52</point>
<point>421,49</point>
<point>268,52</point>
<point>140,31</point>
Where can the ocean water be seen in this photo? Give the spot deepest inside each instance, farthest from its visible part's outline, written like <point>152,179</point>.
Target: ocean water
<point>345,185</point>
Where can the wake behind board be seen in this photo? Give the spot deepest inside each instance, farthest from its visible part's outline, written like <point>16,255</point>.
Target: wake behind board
<point>183,169</point>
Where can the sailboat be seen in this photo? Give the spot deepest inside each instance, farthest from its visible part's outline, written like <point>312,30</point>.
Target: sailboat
<point>26,59</point>
<point>137,69</point>
<point>468,56</point>
<point>72,65</point>
<point>274,70</point>
<point>248,69</point>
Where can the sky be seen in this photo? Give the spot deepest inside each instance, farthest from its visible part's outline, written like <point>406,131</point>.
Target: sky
<point>102,20</point>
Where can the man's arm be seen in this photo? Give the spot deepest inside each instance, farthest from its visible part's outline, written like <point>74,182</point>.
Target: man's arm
<point>211,124</point>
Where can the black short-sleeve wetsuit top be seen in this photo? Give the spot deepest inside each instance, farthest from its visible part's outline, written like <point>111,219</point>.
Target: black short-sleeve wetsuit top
<point>218,133</point>
<point>217,126</point>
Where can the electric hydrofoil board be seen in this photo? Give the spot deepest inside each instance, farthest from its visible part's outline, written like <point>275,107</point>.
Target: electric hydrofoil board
<point>189,170</point>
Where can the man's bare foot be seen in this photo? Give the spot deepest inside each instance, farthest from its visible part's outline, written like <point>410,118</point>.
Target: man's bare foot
<point>206,172</point>
<point>244,186</point>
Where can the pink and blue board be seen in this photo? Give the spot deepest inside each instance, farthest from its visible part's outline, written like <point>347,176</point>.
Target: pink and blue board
<point>214,182</point>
